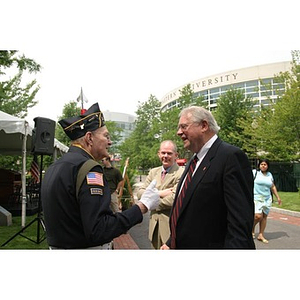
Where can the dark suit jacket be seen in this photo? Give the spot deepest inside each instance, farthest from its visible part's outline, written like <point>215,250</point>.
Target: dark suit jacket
<point>218,209</point>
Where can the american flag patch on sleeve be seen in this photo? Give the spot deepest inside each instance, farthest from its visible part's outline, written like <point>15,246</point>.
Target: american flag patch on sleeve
<point>94,178</point>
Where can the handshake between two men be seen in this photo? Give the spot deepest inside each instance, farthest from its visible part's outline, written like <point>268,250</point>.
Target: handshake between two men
<point>150,201</point>
<point>150,198</point>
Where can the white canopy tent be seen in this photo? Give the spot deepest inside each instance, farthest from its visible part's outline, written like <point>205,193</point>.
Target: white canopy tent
<point>15,137</point>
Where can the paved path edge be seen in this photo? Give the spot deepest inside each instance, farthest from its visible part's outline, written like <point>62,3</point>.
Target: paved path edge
<point>285,212</point>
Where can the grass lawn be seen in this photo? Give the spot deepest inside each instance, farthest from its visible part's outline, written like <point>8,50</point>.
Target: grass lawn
<point>290,201</point>
<point>20,242</point>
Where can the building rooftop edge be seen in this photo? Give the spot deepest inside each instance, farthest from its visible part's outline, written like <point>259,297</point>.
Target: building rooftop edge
<point>222,73</point>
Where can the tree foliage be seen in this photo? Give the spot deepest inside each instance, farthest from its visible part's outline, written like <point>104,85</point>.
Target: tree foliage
<point>143,143</point>
<point>152,126</point>
<point>115,135</point>
<point>253,132</point>
<point>272,131</point>
<point>283,141</point>
<point>16,99</point>
<point>233,107</point>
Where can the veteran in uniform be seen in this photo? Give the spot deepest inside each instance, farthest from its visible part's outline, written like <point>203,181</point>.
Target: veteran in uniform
<point>76,207</point>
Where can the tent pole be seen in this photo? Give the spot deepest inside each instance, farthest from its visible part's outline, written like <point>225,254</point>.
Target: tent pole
<point>24,176</point>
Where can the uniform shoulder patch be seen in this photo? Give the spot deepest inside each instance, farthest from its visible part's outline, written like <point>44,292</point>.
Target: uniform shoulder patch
<point>94,178</point>
<point>96,191</point>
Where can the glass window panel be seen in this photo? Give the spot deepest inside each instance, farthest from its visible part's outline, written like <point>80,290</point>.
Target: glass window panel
<point>225,88</point>
<point>251,90</point>
<point>252,83</point>
<point>254,95</point>
<point>214,91</point>
<point>239,85</point>
<point>266,81</point>
<point>265,87</point>
<point>215,96</point>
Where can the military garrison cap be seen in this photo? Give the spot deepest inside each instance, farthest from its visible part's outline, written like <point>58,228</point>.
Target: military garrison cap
<point>90,120</point>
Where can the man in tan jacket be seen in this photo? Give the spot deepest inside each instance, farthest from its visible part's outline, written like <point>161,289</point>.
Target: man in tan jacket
<point>167,177</point>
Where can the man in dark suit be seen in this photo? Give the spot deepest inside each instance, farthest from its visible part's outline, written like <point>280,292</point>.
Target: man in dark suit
<point>217,208</point>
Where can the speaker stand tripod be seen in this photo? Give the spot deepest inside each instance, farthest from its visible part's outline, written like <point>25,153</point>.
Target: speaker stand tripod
<point>38,219</point>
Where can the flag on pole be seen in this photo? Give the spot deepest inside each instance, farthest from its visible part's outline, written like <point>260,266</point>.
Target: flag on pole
<point>35,170</point>
<point>82,98</point>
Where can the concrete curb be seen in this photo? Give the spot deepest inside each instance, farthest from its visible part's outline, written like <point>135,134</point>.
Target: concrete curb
<point>285,212</point>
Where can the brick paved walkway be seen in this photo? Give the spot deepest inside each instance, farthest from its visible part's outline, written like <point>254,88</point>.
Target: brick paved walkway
<point>124,242</point>
<point>284,218</point>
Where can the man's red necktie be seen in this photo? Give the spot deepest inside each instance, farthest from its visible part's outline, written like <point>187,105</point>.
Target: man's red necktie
<point>163,174</point>
<point>179,200</point>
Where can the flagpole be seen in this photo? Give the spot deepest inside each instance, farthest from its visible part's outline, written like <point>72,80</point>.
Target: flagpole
<point>81,96</point>
<point>23,219</point>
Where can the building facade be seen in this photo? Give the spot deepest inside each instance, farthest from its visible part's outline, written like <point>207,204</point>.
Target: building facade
<point>122,120</point>
<point>257,81</point>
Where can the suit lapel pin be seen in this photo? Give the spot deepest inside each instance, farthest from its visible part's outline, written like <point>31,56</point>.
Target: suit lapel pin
<point>204,168</point>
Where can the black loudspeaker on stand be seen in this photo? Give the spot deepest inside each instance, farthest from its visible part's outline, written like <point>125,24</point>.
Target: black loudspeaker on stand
<point>42,144</point>
<point>43,136</point>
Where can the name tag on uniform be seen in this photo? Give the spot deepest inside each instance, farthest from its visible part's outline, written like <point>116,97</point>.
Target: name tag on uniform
<point>94,178</point>
<point>96,191</point>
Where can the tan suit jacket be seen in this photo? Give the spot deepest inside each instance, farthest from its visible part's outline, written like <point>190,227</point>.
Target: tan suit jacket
<point>160,216</point>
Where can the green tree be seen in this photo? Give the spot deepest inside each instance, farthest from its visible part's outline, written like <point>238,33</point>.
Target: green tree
<point>115,135</point>
<point>188,98</point>
<point>283,128</point>
<point>144,141</point>
<point>274,131</point>
<point>16,99</point>
<point>254,130</point>
<point>168,125</point>
<point>232,107</point>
